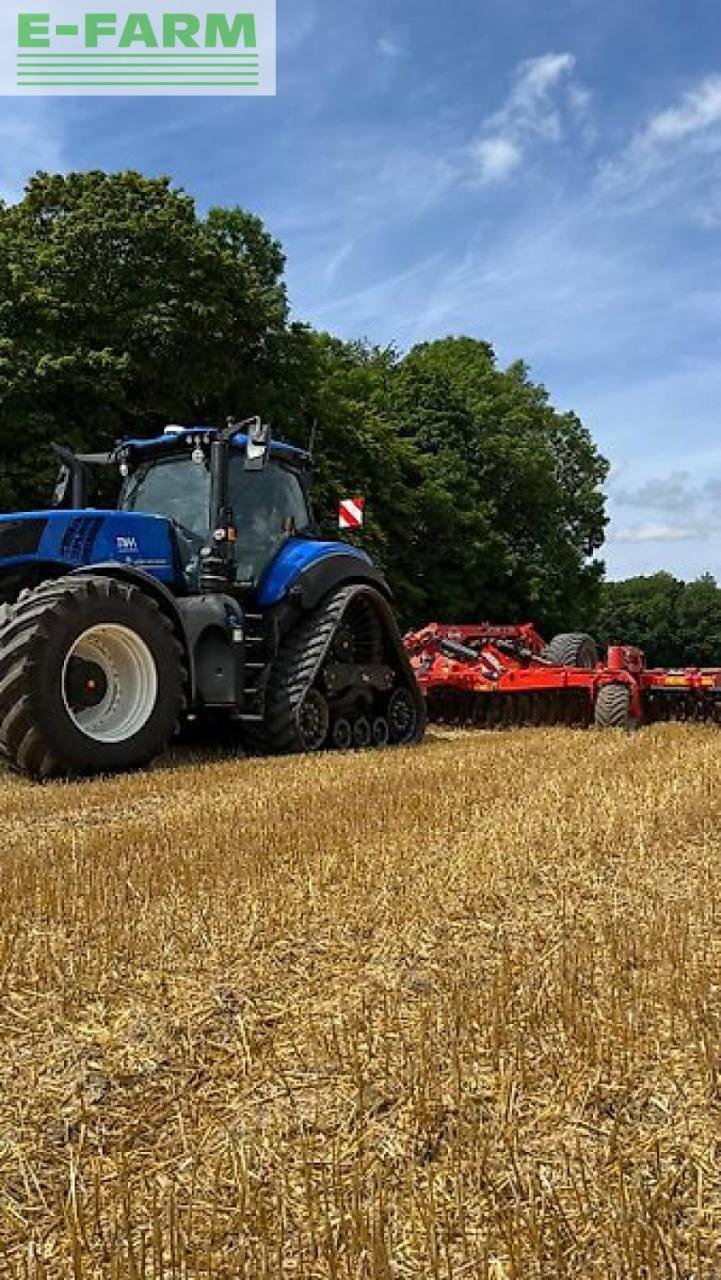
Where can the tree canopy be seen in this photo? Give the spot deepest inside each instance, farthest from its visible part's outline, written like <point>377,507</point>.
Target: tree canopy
<point>675,623</point>
<point>122,308</point>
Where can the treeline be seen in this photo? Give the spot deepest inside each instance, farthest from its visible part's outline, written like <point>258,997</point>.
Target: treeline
<point>122,309</point>
<point>675,623</point>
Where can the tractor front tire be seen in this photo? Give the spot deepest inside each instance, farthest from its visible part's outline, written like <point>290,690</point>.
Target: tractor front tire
<point>91,678</point>
<point>572,649</point>
<point>613,708</point>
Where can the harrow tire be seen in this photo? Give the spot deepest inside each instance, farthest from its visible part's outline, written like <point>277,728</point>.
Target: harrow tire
<point>572,649</point>
<point>613,708</point>
<point>40,731</point>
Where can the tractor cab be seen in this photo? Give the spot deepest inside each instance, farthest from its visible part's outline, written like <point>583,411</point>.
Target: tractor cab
<point>233,496</point>
<point>266,500</point>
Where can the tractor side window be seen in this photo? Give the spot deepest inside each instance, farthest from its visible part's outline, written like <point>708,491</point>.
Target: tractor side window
<point>268,506</point>
<point>176,488</point>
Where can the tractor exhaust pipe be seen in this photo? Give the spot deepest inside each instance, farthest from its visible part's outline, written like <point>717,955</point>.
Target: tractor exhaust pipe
<point>71,481</point>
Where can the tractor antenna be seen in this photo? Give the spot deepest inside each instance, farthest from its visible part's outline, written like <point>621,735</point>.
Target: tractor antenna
<point>313,438</point>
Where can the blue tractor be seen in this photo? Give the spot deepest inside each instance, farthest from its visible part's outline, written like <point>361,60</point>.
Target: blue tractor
<point>207,594</point>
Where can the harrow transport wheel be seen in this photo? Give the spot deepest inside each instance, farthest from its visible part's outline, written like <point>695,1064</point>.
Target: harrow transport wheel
<point>91,678</point>
<point>613,707</point>
<point>572,650</point>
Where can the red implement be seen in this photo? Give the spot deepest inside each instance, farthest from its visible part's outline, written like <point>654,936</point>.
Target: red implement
<point>494,676</point>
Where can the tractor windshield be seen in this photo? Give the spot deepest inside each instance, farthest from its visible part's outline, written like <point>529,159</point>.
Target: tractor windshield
<point>176,488</point>
<point>269,506</point>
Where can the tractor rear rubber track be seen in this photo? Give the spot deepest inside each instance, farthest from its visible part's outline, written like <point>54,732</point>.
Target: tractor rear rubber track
<point>353,624</point>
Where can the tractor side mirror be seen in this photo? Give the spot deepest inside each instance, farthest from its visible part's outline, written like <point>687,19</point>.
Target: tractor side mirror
<point>257,449</point>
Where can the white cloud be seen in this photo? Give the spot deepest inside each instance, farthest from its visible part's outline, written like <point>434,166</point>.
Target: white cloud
<point>542,91</point>
<point>698,110</point>
<point>654,533</point>
<point>496,158</point>
<point>669,162</point>
<point>664,493</point>
<point>389,47</point>
<point>533,82</point>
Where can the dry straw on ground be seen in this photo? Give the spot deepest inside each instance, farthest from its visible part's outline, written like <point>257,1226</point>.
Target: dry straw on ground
<point>437,1013</point>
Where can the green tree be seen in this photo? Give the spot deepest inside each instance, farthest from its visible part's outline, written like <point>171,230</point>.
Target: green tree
<point>121,309</point>
<point>675,623</point>
<point>525,484</point>
<point>699,622</point>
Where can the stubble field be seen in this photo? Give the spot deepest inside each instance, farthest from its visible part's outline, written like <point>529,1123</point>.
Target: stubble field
<point>446,1012</point>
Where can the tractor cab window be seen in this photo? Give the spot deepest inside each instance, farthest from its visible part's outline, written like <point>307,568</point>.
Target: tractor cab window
<point>176,488</point>
<point>269,506</point>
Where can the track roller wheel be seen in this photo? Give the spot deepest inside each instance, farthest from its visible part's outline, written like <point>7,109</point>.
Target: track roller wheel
<point>313,720</point>
<point>613,708</point>
<point>362,733</point>
<point>571,649</point>
<point>381,732</point>
<point>342,735</point>
<point>402,717</point>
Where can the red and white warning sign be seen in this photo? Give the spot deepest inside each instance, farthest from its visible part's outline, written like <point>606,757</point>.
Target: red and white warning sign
<point>351,512</point>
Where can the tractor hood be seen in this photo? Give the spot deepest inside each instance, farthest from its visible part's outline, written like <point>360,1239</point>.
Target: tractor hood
<point>75,538</point>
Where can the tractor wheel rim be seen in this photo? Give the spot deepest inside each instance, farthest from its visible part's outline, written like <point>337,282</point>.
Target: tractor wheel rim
<point>131,680</point>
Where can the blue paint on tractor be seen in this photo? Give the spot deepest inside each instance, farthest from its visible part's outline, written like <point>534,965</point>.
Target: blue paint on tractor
<point>71,539</point>
<point>295,557</point>
<point>239,441</point>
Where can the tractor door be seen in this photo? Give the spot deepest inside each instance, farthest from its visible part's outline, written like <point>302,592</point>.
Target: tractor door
<point>269,506</point>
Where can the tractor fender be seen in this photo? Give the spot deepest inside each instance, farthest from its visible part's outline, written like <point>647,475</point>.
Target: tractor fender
<point>163,597</point>
<point>326,574</point>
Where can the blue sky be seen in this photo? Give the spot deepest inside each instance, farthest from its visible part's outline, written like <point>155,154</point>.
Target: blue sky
<point>544,174</point>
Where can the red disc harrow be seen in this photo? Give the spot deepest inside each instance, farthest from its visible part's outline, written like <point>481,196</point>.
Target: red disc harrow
<point>493,676</point>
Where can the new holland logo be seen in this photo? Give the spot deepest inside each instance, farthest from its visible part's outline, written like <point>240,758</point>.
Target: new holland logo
<point>126,546</point>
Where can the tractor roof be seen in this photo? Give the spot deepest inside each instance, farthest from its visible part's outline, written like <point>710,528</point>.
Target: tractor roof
<point>188,435</point>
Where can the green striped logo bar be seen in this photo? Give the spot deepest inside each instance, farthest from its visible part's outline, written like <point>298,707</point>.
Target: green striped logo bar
<point>205,50</point>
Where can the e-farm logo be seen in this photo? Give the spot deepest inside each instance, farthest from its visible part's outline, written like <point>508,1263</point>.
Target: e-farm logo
<point>206,49</point>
